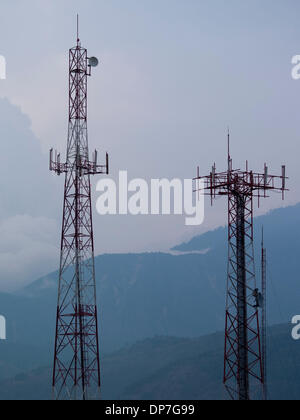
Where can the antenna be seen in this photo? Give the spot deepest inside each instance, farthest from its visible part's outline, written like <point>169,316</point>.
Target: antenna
<point>228,137</point>
<point>228,145</point>
<point>93,62</point>
<point>78,40</point>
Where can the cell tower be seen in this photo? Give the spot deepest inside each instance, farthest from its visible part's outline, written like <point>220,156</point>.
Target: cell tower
<point>243,365</point>
<point>76,371</point>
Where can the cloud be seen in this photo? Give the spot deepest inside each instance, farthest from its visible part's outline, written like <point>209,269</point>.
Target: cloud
<point>29,216</point>
<point>168,85</point>
<point>26,185</point>
<point>28,250</point>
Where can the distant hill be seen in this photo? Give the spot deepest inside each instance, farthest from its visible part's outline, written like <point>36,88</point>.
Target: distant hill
<point>198,374</point>
<point>141,296</point>
<point>164,368</point>
<point>282,240</point>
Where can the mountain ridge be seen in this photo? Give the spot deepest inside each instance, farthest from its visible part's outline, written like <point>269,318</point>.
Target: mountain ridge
<point>172,368</point>
<point>141,296</point>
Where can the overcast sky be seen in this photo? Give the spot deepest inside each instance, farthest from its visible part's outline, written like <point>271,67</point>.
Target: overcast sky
<point>174,75</point>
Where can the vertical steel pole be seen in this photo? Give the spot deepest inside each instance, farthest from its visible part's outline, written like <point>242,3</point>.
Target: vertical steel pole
<point>243,380</point>
<point>264,317</point>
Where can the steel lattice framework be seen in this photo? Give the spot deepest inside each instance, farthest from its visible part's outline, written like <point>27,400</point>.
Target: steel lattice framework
<point>243,364</point>
<point>76,371</point>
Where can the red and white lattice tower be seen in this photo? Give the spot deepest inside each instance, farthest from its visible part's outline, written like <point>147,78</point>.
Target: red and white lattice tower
<point>76,371</point>
<point>243,364</point>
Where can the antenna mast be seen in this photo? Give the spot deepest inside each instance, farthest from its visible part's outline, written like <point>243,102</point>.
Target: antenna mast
<point>78,39</point>
<point>76,371</point>
<point>243,364</point>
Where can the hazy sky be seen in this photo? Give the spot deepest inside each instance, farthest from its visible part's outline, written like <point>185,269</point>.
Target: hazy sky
<point>174,75</point>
